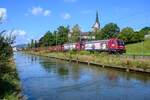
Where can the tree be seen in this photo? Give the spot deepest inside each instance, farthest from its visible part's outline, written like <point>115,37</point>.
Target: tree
<point>98,35</point>
<point>8,73</point>
<point>35,44</point>
<point>110,30</point>
<point>5,48</point>
<point>129,36</point>
<point>75,34</point>
<point>6,40</point>
<point>62,34</point>
<point>137,37</point>
<point>126,34</point>
<point>55,37</point>
<point>5,45</point>
<point>47,39</point>
<point>28,45</point>
<point>145,30</point>
<point>32,43</point>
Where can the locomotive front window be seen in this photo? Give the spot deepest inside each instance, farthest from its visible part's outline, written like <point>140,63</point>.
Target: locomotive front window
<point>120,43</point>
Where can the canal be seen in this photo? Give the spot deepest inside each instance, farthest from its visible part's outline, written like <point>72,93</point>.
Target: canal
<point>51,79</point>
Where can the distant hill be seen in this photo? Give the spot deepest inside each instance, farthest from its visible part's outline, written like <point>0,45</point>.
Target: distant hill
<point>142,48</point>
<point>20,46</point>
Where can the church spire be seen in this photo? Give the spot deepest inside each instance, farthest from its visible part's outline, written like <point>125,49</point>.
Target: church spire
<point>96,25</point>
<point>97,19</point>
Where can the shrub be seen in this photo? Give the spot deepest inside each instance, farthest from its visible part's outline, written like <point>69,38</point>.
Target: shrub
<point>84,53</point>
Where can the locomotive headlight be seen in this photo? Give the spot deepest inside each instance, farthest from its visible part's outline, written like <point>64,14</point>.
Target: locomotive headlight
<point>113,45</point>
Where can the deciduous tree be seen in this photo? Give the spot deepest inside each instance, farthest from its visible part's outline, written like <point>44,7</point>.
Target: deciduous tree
<point>110,30</point>
<point>75,34</point>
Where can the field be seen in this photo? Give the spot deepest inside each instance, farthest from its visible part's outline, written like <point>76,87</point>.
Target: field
<point>142,48</point>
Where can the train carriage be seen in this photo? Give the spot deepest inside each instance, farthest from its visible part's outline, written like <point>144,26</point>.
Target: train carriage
<point>100,45</point>
<point>70,46</point>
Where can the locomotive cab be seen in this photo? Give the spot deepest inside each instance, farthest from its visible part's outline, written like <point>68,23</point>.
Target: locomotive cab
<point>116,46</point>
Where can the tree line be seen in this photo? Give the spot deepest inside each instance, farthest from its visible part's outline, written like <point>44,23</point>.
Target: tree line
<point>58,37</point>
<point>65,34</point>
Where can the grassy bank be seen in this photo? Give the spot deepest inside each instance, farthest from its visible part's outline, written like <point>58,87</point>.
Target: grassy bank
<point>9,81</point>
<point>142,48</point>
<point>100,58</point>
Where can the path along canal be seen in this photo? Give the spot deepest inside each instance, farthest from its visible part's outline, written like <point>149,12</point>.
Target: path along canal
<point>52,79</point>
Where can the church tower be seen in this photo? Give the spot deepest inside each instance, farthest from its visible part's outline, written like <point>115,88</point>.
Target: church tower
<point>96,25</point>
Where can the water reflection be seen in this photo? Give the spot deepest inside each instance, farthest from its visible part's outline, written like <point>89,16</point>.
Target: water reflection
<point>48,66</point>
<point>75,73</point>
<point>52,79</point>
<point>62,71</point>
<point>112,76</point>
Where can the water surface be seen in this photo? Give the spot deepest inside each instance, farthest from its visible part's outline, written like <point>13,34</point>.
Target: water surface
<point>50,79</point>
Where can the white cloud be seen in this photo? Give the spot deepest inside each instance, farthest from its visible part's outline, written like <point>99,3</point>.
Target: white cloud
<point>40,11</point>
<point>3,14</point>
<point>21,35</point>
<point>70,0</point>
<point>47,13</point>
<point>19,32</point>
<point>66,16</point>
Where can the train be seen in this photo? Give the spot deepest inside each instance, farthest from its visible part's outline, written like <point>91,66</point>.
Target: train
<point>113,45</point>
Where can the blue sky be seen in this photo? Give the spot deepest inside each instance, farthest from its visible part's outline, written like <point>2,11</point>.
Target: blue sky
<point>32,18</point>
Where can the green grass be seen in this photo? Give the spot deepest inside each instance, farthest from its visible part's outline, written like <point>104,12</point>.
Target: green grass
<point>101,58</point>
<point>9,82</point>
<point>142,48</point>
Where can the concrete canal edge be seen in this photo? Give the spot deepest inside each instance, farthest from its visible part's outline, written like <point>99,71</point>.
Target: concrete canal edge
<point>127,69</point>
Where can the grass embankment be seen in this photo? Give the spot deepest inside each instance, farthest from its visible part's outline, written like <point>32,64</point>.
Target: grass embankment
<point>101,58</point>
<point>9,81</point>
<point>142,48</point>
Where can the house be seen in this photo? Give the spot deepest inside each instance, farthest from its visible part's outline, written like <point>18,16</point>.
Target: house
<point>87,36</point>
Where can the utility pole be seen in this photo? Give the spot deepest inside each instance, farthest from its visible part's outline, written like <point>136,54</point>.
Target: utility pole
<point>142,47</point>
<point>56,39</point>
<point>80,37</point>
<point>69,37</point>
